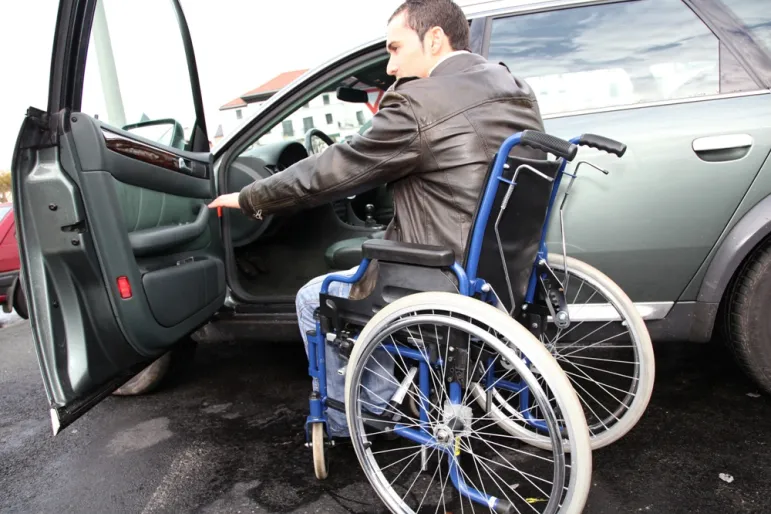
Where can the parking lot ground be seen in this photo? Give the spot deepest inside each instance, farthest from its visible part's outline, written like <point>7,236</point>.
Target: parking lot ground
<point>227,436</point>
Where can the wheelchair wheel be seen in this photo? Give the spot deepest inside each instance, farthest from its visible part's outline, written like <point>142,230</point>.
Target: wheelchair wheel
<point>455,455</point>
<point>606,352</point>
<point>320,465</point>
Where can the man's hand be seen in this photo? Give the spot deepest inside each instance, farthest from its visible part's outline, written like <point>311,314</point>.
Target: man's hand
<point>228,200</point>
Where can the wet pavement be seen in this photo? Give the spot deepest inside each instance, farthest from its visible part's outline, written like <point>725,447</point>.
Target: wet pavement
<point>227,436</point>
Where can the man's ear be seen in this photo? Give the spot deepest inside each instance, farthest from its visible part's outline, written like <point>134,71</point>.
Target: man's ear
<point>435,37</point>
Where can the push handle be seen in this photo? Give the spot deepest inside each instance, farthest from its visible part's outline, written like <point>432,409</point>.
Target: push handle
<point>548,143</point>
<point>602,143</point>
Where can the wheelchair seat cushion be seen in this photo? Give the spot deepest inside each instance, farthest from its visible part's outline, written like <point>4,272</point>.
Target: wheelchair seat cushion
<point>408,253</point>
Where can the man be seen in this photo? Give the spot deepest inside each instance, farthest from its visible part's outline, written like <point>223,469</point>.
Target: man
<point>436,131</point>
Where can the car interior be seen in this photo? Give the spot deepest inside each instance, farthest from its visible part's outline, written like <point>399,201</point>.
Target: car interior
<point>276,256</point>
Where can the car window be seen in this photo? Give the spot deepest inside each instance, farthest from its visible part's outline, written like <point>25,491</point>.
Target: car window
<point>325,112</point>
<point>613,55</point>
<point>756,16</point>
<point>137,76</point>
<point>3,211</point>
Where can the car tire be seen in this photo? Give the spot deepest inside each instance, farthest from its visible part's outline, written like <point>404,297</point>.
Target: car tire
<point>746,322</point>
<point>154,376</point>
<point>20,302</point>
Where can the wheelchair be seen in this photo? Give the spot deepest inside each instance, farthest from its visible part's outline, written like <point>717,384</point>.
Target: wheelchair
<point>479,373</point>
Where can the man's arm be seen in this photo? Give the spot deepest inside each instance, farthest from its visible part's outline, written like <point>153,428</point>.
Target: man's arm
<point>389,150</point>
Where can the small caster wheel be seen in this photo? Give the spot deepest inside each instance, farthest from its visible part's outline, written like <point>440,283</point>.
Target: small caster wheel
<point>319,451</point>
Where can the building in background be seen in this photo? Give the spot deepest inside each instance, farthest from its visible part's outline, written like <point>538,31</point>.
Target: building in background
<point>339,120</point>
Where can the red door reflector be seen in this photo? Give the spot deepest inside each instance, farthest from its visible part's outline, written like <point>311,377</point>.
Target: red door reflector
<point>124,287</point>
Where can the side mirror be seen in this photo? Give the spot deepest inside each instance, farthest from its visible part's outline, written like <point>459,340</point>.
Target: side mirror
<point>352,95</point>
<point>166,131</point>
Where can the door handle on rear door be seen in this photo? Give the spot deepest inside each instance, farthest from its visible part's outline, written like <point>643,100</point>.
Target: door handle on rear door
<point>155,240</point>
<point>727,147</point>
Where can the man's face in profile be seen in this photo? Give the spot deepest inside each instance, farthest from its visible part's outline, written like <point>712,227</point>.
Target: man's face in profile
<point>408,56</point>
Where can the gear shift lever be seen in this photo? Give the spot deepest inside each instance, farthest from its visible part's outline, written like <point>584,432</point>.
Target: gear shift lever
<point>370,210</point>
<point>370,219</point>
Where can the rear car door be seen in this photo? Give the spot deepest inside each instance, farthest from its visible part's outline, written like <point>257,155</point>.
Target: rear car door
<point>669,79</point>
<point>121,258</point>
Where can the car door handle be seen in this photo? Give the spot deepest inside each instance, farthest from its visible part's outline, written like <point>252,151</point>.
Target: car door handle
<point>724,142</point>
<point>725,147</point>
<point>183,166</point>
<point>155,240</point>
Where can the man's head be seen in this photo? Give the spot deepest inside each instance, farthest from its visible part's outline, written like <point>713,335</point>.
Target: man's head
<point>420,32</point>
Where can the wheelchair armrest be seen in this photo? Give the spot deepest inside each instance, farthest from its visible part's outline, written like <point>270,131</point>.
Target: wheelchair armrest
<point>408,253</point>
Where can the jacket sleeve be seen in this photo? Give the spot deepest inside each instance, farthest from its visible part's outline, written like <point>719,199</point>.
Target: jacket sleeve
<point>388,151</point>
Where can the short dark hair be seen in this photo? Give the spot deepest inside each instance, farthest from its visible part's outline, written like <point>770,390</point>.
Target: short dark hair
<point>421,15</point>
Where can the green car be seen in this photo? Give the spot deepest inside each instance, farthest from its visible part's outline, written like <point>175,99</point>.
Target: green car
<point>123,265</point>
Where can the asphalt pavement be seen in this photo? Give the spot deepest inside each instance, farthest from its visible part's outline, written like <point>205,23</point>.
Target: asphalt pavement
<point>227,436</point>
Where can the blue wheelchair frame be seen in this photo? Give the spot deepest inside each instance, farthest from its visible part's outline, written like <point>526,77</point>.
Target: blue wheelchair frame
<point>468,285</point>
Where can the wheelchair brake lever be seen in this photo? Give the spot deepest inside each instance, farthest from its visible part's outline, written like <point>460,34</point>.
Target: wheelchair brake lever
<point>592,165</point>
<point>573,177</point>
<point>528,168</point>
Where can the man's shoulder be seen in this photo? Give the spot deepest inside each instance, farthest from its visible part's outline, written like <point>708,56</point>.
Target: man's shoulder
<point>468,73</point>
<point>459,89</point>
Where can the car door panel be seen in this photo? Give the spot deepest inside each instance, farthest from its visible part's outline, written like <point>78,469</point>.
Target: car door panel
<point>79,227</point>
<point>121,256</point>
<point>120,259</point>
<point>137,161</point>
<point>653,220</point>
<point>67,298</point>
<point>164,250</point>
<point>145,209</point>
<point>747,227</point>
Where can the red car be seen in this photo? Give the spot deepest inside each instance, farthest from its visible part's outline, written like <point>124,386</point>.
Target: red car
<point>11,292</point>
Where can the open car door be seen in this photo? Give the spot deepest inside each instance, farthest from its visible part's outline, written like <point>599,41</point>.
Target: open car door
<point>121,258</point>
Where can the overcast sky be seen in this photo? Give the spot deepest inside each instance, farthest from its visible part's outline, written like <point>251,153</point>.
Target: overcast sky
<point>239,44</point>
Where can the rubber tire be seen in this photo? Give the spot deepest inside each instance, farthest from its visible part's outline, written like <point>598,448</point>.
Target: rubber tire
<point>747,326</point>
<point>612,292</point>
<point>532,347</point>
<point>320,466</point>
<point>152,377</point>
<point>147,380</point>
<point>20,302</point>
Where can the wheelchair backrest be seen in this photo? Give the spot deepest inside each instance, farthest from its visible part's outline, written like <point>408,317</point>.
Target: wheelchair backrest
<point>519,228</point>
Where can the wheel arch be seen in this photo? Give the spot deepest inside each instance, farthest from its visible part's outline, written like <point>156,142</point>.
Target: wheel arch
<point>751,232</point>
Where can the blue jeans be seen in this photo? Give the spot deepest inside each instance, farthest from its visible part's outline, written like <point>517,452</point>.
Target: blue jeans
<point>378,382</point>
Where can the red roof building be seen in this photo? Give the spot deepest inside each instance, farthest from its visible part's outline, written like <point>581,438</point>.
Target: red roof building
<point>265,91</point>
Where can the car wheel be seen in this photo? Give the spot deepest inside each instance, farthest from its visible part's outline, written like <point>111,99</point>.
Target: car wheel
<point>20,302</point>
<point>153,376</point>
<point>746,322</point>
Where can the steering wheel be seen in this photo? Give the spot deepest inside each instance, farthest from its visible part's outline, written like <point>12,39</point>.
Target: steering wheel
<point>316,148</point>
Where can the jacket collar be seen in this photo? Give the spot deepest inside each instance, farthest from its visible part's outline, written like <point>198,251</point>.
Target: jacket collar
<point>452,63</point>
<point>445,57</point>
<point>455,62</point>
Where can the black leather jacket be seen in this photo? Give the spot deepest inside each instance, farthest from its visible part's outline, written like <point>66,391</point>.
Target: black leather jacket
<point>432,139</point>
